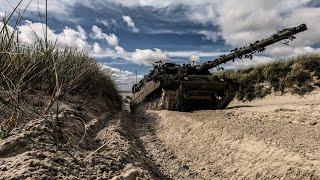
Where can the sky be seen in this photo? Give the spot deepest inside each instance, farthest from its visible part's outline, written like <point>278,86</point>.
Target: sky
<point>128,36</point>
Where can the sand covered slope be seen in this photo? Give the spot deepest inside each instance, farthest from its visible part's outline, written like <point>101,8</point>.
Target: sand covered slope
<point>87,146</point>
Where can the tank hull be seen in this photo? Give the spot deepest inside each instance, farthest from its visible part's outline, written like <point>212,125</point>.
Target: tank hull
<point>186,94</point>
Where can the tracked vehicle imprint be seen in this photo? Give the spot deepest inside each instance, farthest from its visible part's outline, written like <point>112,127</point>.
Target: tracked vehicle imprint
<point>192,87</point>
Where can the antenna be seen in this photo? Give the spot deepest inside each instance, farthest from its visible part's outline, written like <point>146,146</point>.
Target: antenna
<point>135,71</point>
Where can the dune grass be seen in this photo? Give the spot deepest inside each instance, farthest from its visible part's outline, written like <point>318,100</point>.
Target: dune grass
<point>45,68</point>
<point>298,75</point>
<point>48,68</point>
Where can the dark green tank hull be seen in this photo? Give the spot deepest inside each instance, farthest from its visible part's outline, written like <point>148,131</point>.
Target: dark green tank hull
<point>194,92</point>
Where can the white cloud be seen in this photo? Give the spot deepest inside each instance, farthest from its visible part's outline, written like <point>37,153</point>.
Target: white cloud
<point>74,38</point>
<point>210,35</point>
<point>60,7</point>
<point>97,49</point>
<point>148,56</point>
<point>279,51</point>
<point>2,14</point>
<point>246,63</point>
<point>109,23</point>
<point>30,32</point>
<point>249,20</point>
<point>161,3</point>
<point>145,57</point>
<point>130,23</point>
<point>306,50</point>
<point>202,14</point>
<point>111,39</point>
<point>290,51</point>
<point>124,79</point>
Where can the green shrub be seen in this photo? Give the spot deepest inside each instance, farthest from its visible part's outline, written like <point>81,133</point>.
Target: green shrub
<point>247,82</point>
<point>261,91</point>
<point>295,75</point>
<point>298,76</point>
<point>301,90</point>
<point>274,72</point>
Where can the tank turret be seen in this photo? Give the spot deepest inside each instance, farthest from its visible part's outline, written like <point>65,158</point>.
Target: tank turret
<point>190,87</point>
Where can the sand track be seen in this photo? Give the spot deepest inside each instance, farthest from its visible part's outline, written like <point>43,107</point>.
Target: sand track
<point>157,152</point>
<point>277,137</point>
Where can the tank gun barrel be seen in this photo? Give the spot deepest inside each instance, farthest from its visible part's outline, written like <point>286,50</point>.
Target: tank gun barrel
<point>258,46</point>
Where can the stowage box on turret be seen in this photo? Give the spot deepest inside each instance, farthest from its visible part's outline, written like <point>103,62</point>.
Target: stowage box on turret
<point>192,87</point>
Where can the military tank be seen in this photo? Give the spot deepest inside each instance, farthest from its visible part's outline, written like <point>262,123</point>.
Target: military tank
<point>189,87</point>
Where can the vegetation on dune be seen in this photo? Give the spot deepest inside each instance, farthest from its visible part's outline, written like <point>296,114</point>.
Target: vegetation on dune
<point>44,68</point>
<point>298,75</point>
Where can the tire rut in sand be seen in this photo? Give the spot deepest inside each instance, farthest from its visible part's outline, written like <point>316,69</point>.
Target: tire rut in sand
<point>157,153</point>
<point>138,149</point>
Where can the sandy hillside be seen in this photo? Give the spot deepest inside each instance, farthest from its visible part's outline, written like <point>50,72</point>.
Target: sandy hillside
<point>276,137</point>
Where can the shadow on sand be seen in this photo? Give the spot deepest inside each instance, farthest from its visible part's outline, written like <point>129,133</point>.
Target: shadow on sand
<point>240,106</point>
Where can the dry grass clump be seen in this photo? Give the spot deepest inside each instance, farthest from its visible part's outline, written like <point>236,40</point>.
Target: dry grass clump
<point>44,68</point>
<point>298,75</point>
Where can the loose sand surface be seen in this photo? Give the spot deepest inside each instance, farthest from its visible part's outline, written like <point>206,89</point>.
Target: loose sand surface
<point>277,137</point>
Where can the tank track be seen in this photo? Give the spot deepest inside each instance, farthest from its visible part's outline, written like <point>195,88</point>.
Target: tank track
<point>150,105</point>
<point>230,93</point>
